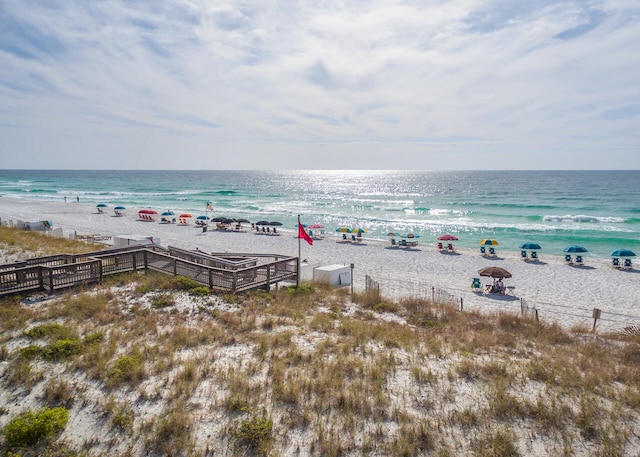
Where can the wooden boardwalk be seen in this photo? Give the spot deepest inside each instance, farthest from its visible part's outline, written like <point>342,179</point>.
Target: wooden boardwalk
<point>226,272</point>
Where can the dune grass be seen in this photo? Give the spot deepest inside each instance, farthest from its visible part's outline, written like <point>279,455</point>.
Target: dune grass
<point>309,371</point>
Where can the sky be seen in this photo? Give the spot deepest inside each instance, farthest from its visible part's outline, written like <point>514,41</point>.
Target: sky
<point>361,84</point>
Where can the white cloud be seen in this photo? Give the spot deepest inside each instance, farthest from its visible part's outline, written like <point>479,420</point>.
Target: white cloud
<point>184,81</point>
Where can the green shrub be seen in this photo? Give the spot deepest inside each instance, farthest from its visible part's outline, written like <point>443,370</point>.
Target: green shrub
<point>162,301</point>
<point>255,432</point>
<point>44,330</point>
<point>129,368</point>
<point>33,426</point>
<point>303,289</point>
<point>183,283</point>
<point>201,291</point>
<point>93,338</point>
<point>61,349</point>
<point>29,352</point>
<point>383,307</point>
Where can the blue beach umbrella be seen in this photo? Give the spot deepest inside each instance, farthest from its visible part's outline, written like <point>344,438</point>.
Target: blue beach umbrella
<point>120,208</point>
<point>101,205</point>
<point>575,248</point>
<point>168,213</point>
<point>202,218</point>
<point>623,253</point>
<point>530,245</point>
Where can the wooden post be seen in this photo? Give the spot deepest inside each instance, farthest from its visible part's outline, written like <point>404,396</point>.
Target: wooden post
<point>537,318</point>
<point>235,281</point>
<point>351,281</point>
<point>461,304</point>
<point>433,295</point>
<point>596,316</point>
<point>521,306</point>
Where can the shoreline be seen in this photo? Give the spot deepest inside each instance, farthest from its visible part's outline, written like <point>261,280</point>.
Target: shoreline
<point>561,293</point>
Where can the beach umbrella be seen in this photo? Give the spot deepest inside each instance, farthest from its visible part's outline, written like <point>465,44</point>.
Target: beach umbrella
<point>575,248</point>
<point>262,223</point>
<point>217,219</point>
<point>186,215</point>
<point>120,208</point>
<point>343,230</point>
<point>243,221</point>
<point>358,230</point>
<point>393,234</point>
<point>488,242</point>
<point>494,272</point>
<point>447,237</point>
<point>316,226</point>
<point>147,211</point>
<point>202,218</point>
<point>530,245</point>
<point>412,235</point>
<point>623,253</point>
<point>101,205</point>
<point>275,223</point>
<point>168,213</point>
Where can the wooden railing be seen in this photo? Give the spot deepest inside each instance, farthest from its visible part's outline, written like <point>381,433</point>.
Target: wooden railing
<point>223,272</point>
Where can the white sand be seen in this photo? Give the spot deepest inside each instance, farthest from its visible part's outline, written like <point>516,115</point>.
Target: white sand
<point>561,293</point>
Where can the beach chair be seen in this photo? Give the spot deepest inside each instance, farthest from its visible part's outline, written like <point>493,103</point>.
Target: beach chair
<point>627,263</point>
<point>353,238</point>
<point>450,247</point>
<point>483,250</point>
<point>615,262</point>
<point>440,247</point>
<point>475,285</point>
<point>393,242</point>
<point>579,260</point>
<point>402,243</point>
<point>492,251</point>
<point>523,254</point>
<point>568,260</point>
<point>534,255</point>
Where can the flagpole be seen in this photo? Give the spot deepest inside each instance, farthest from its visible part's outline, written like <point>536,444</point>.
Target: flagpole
<point>299,252</point>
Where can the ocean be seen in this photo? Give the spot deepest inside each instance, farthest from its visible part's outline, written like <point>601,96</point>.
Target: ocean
<point>599,210</point>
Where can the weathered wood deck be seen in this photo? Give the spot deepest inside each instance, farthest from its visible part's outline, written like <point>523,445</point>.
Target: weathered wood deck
<point>226,272</point>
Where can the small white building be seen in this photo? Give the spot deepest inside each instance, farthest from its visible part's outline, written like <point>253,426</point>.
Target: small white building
<point>335,275</point>
<point>120,241</point>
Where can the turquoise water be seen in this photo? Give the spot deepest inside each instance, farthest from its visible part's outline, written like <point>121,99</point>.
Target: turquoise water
<point>597,209</point>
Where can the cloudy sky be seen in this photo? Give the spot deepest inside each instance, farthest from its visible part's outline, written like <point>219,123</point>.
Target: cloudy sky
<point>323,84</point>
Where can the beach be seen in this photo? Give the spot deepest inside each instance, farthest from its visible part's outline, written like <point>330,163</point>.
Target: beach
<point>559,292</point>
